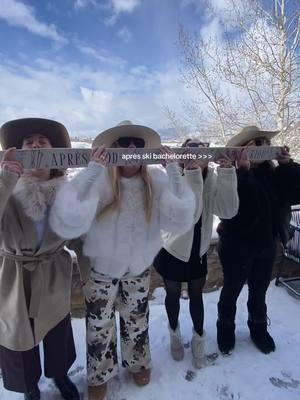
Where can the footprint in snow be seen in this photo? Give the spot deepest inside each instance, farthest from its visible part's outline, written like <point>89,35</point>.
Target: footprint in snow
<point>190,375</point>
<point>286,384</point>
<point>224,393</point>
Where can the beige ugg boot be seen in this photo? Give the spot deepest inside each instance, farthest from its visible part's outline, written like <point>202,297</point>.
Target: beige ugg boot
<point>176,346</point>
<point>198,349</point>
<point>97,392</point>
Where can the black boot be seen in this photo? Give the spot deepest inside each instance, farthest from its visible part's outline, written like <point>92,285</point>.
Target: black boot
<point>33,394</point>
<point>225,336</point>
<point>67,388</point>
<point>260,336</point>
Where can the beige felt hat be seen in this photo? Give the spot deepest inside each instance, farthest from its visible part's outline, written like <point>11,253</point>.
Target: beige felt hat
<point>13,132</point>
<point>128,129</point>
<point>249,133</point>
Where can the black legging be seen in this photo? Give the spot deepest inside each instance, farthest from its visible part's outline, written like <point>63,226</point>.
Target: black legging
<point>173,291</point>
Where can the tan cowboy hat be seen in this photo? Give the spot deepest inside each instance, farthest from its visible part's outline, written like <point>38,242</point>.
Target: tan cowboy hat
<point>249,133</point>
<point>13,132</point>
<point>128,129</point>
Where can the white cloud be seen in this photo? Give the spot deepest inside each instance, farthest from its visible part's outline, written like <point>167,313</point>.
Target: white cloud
<point>221,5</point>
<point>126,6</point>
<point>231,12</point>
<point>86,99</point>
<point>125,34</point>
<point>101,55</point>
<point>81,4</point>
<point>212,30</point>
<point>99,101</point>
<point>111,20</point>
<point>114,7</point>
<point>228,12</point>
<point>117,6</point>
<point>139,70</point>
<point>186,3</point>
<point>19,14</point>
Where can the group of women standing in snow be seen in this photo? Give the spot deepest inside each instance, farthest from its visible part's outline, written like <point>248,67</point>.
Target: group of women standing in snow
<point>122,220</point>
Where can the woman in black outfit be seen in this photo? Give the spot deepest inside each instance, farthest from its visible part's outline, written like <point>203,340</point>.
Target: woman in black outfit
<point>247,242</point>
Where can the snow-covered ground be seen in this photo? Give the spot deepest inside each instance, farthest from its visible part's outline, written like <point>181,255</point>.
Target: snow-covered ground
<point>81,145</point>
<point>245,375</point>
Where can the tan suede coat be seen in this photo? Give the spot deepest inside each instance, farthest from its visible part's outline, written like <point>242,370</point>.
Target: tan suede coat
<point>35,280</point>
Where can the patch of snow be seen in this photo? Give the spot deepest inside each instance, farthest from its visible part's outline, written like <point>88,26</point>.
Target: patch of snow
<point>245,375</point>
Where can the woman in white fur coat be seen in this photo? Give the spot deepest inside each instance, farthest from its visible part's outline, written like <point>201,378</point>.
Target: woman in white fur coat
<point>120,211</point>
<point>183,257</point>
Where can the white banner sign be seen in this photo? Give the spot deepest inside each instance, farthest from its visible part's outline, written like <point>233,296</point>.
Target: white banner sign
<point>78,158</point>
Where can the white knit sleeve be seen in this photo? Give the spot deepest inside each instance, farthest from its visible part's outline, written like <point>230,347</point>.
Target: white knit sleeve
<point>176,203</point>
<point>78,200</point>
<point>226,201</point>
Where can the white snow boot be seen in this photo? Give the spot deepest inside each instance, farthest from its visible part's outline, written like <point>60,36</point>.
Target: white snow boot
<point>176,346</point>
<point>198,349</point>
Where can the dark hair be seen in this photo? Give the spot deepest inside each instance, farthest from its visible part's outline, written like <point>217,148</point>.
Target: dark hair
<point>56,173</point>
<point>267,165</point>
<point>186,142</point>
<point>205,170</point>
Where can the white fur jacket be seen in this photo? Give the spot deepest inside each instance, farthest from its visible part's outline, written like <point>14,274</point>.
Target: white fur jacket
<point>122,242</point>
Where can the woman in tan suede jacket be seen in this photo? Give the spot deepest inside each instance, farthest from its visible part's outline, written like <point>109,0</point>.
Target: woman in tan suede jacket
<point>35,270</point>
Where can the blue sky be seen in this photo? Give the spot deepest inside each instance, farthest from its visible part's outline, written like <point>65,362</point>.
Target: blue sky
<point>92,63</point>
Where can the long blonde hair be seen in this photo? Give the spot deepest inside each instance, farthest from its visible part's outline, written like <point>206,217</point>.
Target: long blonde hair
<point>114,174</point>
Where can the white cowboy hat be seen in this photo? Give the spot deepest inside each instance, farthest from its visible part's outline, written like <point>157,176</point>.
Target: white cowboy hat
<point>249,133</point>
<point>128,129</point>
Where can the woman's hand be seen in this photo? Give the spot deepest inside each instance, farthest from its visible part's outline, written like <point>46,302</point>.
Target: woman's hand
<point>224,162</point>
<point>242,159</point>
<point>195,164</point>
<point>8,162</point>
<point>99,155</point>
<point>169,155</point>
<point>191,164</point>
<point>284,157</point>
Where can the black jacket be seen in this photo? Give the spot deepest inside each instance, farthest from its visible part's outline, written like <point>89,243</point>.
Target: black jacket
<point>266,194</point>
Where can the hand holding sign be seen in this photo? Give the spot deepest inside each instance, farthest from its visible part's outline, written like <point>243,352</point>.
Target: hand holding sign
<point>202,164</point>
<point>99,155</point>
<point>284,157</point>
<point>9,163</point>
<point>169,155</point>
<point>242,159</point>
<point>195,164</point>
<point>192,164</point>
<point>224,162</point>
